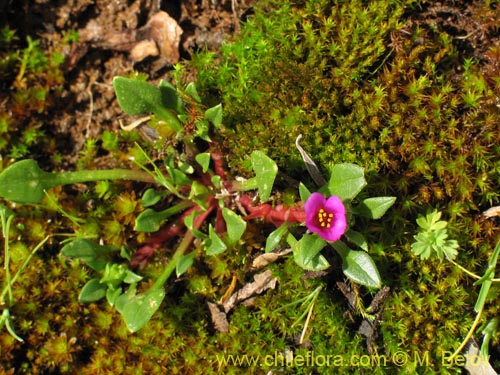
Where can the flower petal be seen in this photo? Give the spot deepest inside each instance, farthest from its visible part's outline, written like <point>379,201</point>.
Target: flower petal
<point>314,203</point>
<point>333,205</point>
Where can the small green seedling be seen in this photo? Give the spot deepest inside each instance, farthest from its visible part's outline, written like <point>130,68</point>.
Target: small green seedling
<point>6,297</point>
<point>25,182</point>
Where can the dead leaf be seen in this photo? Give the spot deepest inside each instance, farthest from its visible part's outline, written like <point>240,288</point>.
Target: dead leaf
<point>166,34</point>
<point>492,212</point>
<point>144,49</point>
<point>262,282</point>
<point>475,363</point>
<point>219,318</point>
<point>265,259</point>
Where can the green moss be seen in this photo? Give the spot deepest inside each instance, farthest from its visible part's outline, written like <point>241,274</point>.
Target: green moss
<point>34,79</point>
<point>408,103</point>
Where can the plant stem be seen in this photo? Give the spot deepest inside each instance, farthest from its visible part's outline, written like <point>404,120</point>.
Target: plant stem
<point>8,288</point>
<point>179,252</point>
<point>186,241</point>
<point>23,266</point>
<point>96,175</point>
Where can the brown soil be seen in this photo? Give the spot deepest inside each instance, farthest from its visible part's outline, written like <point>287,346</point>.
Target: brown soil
<point>110,33</point>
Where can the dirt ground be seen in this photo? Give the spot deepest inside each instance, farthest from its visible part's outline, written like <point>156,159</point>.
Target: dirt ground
<point>115,38</point>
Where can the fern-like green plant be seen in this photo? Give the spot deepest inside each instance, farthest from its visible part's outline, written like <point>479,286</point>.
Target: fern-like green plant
<point>433,237</point>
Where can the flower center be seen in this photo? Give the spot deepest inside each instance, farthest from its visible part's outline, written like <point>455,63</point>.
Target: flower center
<point>324,218</point>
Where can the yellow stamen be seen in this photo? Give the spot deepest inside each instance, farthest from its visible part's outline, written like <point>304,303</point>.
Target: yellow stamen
<point>325,219</point>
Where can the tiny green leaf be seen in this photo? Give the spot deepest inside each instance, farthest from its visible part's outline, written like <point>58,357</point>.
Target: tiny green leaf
<point>203,159</point>
<point>306,253</point>
<point>357,239</point>
<point>131,277</point>
<point>151,197</point>
<point>202,129</point>
<point>150,220</point>
<point>170,97</point>
<point>137,309</point>
<point>92,291</point>
<point>265,172</point>
<point>214,115</point>
<point>374,208</point>
<point>432,238</point>
<point>235,224</point>
<point>358,266</point>
<point>94,255</point>
<point>184,263</point>
<point>137,97</point>
<point>199,194</point>
<point>275,236</point>
<point>346,181</point>
<point>303,192</point>
<point>112,295</point>
<point>24,182</point>
<point>216,245</point>
<point>192,92</point>
<point>189,223</point>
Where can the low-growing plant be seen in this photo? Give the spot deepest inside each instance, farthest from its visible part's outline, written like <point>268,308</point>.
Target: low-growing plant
<point>207,209</point>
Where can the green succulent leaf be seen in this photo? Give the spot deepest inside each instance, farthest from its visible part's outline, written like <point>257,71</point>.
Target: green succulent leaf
<point>358,266</point>
<point>306,252</point>
<point>234,223</point>
<point>265,172</point>
<point>215,244</point>
<point>112,295</point>
<point>357,239</point>
<point>25,182</point>
<point>189,223</point>
<point>304,192</point>
<point>170,97</point>
<point>137,97</point>
<point>137,309</point>
<point>275,237</point>
<point>199,194</point>
<point>214,115</point>
<point>192,92</point>
<point>374,208</point>
<point>92,291</point>
<point>346,181</point>
<point>203,159</point>
<point>94,255</point>
<point>151,197</point>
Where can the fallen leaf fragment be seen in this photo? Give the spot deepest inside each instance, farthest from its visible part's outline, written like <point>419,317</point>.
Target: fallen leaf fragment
<point>475,363</point>
<point>246,296</point>
<point>219,318</point>
<point>262,282</point>
<point>160,36</point>
<point>265,259</point>
<point>492,212</point>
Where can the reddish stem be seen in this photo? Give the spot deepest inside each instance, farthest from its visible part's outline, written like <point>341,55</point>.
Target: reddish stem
<point>277,215</point>
<point>146,253</point>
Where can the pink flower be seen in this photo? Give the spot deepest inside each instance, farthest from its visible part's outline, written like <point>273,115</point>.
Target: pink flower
<point>325,216</point>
